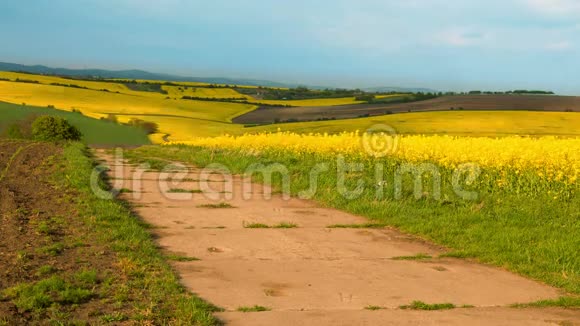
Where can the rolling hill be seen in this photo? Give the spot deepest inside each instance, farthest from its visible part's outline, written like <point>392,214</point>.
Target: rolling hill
<point>145,75</point>
<point>135,74</point>
<point>182,119</point>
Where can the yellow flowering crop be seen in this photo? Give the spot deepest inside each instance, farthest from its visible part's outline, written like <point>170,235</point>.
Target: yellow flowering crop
<point>548,157</point>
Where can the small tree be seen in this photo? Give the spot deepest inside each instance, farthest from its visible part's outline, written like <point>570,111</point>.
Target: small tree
<point>112,118</point>
<point>149,127</point>
<point>365,98</point>
<point>49,128</point>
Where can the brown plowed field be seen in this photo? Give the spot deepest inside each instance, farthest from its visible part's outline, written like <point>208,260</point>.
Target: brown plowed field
<point>465,102</point>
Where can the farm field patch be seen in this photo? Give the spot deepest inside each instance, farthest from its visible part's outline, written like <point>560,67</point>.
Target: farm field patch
<point>455,123</point>
<point>314,102</point>
<point>132,104</point>
<point>203,92</point>
<point>94,131</point>
<point>266,115</point>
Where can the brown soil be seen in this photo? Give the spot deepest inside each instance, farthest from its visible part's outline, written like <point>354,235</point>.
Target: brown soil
<point>315,275</point>
<point>467,102</point>
<point>29,201</point>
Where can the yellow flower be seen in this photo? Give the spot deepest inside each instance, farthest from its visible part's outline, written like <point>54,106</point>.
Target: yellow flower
<point>549,158</point>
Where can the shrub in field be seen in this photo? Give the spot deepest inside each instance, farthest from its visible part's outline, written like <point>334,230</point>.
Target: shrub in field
<point>111,118</point>
<point>50,128</point>
<point>149,127</point>
<point>365,98</point>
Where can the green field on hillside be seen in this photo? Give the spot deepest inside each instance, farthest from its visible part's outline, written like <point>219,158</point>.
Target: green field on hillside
<point>182,120</point>
<point>95,132</point>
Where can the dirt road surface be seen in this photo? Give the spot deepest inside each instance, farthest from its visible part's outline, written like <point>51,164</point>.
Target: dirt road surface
<point>313,274</point>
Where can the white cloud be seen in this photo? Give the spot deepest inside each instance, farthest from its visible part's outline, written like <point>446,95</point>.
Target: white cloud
<point>559,46</point>
<point>555,7</point>
<point>461,37</point>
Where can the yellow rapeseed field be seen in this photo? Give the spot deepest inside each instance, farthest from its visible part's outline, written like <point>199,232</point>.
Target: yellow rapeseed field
<point>180,91</point>
<point>551,158</point>
<point>456,123</point>
<point>389,96</point>
<point>48,80</point>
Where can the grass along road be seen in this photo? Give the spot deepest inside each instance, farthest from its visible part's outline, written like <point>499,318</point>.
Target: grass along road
<point>69,257</point>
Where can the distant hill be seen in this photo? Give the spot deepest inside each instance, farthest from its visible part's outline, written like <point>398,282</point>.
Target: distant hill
<point>135,74</point>
<point>141,74</point>
<point>387,89</point>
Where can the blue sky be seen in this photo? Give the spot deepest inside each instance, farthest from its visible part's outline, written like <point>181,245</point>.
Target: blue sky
<point>441,44</point>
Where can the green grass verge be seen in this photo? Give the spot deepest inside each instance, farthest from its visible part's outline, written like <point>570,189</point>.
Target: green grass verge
<point>149,274</point>
<point>285,225</point>
<point>358,226</point>
<point>184,191</point>
<point>420,305</point>
<point>216,206</point>
<point>94,131</point>
<point>566,302</point>
<point>45,293</point>
<point>535,236</point>
<point>282,225</point>
<point>181,258</point>
<point>374,308</point>
<point>256,226</point>
<point>255,308</point>
<point>416,257</point>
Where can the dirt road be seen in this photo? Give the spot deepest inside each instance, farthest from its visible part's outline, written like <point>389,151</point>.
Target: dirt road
<point>312,274</point>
